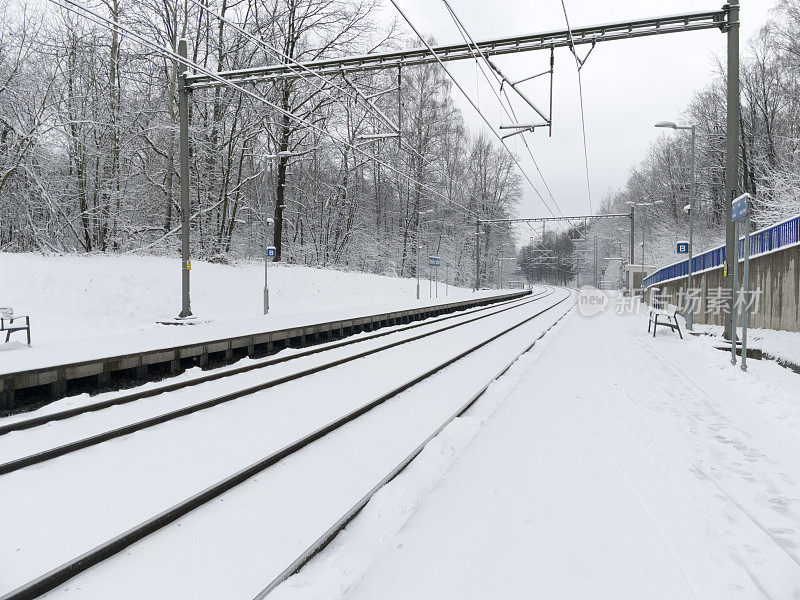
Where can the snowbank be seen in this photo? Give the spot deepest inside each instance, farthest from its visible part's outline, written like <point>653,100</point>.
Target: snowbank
<point>783,345</point>
<point>78,296</point>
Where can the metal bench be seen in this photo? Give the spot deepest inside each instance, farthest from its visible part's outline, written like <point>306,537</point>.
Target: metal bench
<point>7,323</point>
<point>668,314</point>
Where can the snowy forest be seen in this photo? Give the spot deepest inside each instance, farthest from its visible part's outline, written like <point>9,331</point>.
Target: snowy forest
<point>769,145</point>
<point>89,145</point>
<point>89,140</point>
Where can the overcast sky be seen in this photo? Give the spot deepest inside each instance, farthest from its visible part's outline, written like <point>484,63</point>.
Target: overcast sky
<point>628,85</point>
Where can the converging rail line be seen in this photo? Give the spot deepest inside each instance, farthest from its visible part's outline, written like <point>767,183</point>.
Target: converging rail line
<point>220,373</point>
<point>19,388</point>
<point>51,453</point>
<point>66,571</point>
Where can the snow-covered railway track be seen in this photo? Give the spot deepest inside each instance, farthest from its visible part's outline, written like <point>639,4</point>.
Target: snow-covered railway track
<point>149,392</point>
<point>13,464</point>
<point>521,333</point>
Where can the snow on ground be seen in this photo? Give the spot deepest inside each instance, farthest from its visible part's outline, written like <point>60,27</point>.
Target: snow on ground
<point>75,296</point>
<point>784,345</point>
<point>621,466</point>
<point>84,306</point>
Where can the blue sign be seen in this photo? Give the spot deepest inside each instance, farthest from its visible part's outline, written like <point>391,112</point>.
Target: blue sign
<point>682,248</point>
<point>434,261</point>
<point>270,251</point>
<point>739,207</point>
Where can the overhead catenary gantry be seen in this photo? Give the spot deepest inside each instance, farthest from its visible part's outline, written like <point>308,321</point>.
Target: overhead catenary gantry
<point>561,38</point>
<point>725,19</point>
<point>584,219</point>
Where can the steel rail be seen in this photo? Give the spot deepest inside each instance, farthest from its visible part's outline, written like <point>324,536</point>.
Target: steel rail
<point>695,21</point>
<point>220,373</point>
<point>327,537</point>
<point>52,579</point>
<point>93,440</point>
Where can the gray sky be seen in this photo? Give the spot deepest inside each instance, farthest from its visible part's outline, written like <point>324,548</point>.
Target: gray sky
<point>628,85</point>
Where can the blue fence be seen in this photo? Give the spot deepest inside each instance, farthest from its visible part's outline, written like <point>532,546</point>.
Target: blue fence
<point>761,241</point>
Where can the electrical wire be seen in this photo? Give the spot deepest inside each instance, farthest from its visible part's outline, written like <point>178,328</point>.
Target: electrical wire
<point>579,65</point>
<point>469,40</point>
<point>328,82</point>
<point>472,102</point>
<point>92,16</point>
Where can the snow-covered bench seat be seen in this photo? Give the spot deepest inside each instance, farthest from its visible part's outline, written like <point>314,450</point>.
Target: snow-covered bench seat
<point>668,318</point>
<point>7,323</point>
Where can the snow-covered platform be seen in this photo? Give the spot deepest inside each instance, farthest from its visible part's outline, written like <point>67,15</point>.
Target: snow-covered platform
<point>620,466</point>
<point>169,347</point>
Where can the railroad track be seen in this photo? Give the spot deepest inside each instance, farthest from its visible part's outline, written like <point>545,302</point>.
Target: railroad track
<point>71,568</point>
<point>105,436</point>
<point>222,372</point>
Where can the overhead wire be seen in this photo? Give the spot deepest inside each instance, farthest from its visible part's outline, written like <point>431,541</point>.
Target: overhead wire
<point>293,65</point>
<point>471,101</point>
<point>510,112</point>
<point>579,65</point>
<point>94,17</point>
<point>404,144</point>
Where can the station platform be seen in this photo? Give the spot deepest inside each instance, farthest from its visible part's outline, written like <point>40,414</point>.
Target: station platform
<point>55,370</point>
<point>620,466</point>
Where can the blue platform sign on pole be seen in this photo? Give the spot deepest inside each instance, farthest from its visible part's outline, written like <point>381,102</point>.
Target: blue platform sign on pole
<point>270,251</point>
<point>739,207</point>
<point>434,261</point>
<point>682,248</point>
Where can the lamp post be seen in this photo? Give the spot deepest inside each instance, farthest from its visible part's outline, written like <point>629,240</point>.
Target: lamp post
<point>689,209</point>
<point>419,247</point>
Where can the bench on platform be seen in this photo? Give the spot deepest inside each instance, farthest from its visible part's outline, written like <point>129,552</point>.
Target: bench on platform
<point>668,314</point>
<point>7,323</point>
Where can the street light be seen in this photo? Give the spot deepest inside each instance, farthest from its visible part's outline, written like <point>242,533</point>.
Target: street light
<point>687,209</point>
<point>419,218</point>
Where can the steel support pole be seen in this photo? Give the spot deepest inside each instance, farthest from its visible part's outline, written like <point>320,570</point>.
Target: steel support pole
<point>746,286</point>
<point>267,222</point>
<point>642,220</point>
<point>731,156</point>
<point>477,254</point>
<point>416,244</point>
<point>632,250</point>
<point>399,107</point>
<point>734,303</point>
<point>689,308</point>
<point>183,115</point>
